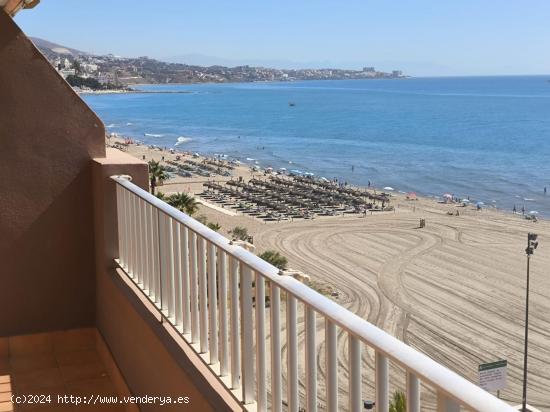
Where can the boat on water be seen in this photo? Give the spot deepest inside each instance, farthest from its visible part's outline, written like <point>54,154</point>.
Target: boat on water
<point>291,104</point>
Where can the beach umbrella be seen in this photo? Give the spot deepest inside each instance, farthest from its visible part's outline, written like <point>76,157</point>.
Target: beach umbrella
<point>465,201</point>
<point>480,204</point>
<point>411,196</point>
<point>388,188</point>
<point>533,212</point>
<point>448,196</point>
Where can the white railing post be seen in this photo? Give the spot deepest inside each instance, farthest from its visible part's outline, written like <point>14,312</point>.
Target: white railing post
<point>203,295</point>
<point>331,355</point>
<point>163,261</point>
<point>120,223</point>
<point>212,303</point>
<point>132,235</point>
<point>247,335</point>
<point>194,288</point>
<point>156,257</point>
<point>382,383</point>
<point>139,242</point>
<point>170,295</point>
<point>261,373</point>
<point>145,243</point>
<point>224,339</point>
<point>185,264</point>
<point>178,290</point>
<point>413,393</point>
<point>235,324</point>
<point>310,361</point>
<point>292,354</point>
<point>355,399</point>
<point>150,255</point>
<point>445,404</point>
<point>276,379</point>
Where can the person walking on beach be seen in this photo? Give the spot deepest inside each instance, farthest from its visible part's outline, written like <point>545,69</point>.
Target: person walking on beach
<point>514,209</point>
<point>544,189</point>
<point>523,210</point>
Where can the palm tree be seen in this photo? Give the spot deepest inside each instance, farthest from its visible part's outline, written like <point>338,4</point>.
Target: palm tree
<point>183,202</point>
<point>157,174</point>
<point>275,258</point>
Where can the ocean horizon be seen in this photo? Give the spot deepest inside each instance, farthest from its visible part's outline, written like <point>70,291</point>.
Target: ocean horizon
<point>485,138</point>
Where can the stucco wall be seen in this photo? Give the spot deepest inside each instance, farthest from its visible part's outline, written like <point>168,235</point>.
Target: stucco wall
<point>48,137</point>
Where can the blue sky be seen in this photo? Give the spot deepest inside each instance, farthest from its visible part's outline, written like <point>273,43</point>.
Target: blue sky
<point>421,37</point>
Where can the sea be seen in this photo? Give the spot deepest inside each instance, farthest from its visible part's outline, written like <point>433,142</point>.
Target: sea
<point>483,138</point>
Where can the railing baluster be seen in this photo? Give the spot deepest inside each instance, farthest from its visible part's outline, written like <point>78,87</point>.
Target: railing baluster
<point>331,356</point>
<point>177,247</point>
<point>247,335</point>
<point>354,348</point>
<point>222,304</point>
<point>132,235</point>
<point>120,224</point>
<point>235,325</point>
<point>139,242</point>
<point>382,382</point>
<point>135,260</point>
<point>166,251</point>
<point>445,404</point>
<point>148,243</point>
<point>212,303</point>
<point>163,261</point>
<point>413,393</point>
<point>194,271</point>
<point>124,228</point>
<point>203,295</point>
<point>185,264</point>
<point>170,295</point>
<point>155,281</point>
<point>261,373</point>
<point>310,364</point>
<point>292,354</point>
<point>276,379</point>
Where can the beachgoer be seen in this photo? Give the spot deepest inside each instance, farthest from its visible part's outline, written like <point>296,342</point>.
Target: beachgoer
<point>544,189</point>
<point>523,210</point>
<point>514,209</point>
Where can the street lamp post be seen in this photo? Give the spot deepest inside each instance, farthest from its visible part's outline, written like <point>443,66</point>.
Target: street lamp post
<point>531,246</point>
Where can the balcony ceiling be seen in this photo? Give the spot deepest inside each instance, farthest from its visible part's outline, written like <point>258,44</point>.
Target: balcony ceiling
<point>13,6</point>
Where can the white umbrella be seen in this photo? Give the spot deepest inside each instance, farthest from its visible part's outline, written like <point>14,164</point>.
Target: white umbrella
<point>533,212</point>
<point>465,201</point>
<point>388,188</point>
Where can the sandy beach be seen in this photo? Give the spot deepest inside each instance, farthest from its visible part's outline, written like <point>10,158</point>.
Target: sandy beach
<point>454,290</point>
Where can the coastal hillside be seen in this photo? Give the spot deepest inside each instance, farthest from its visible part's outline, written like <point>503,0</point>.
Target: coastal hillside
<point>124,71</point>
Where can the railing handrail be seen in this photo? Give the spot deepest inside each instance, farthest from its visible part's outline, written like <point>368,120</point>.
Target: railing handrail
<point>425,368</point>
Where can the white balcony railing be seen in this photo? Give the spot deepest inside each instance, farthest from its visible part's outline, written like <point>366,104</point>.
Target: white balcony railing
<point>208,289</point>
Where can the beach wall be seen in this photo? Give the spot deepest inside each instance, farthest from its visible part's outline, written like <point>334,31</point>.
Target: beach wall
<point>48,137</point>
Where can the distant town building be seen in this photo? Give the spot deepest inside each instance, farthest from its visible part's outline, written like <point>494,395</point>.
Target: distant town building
<point>369,69</point>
